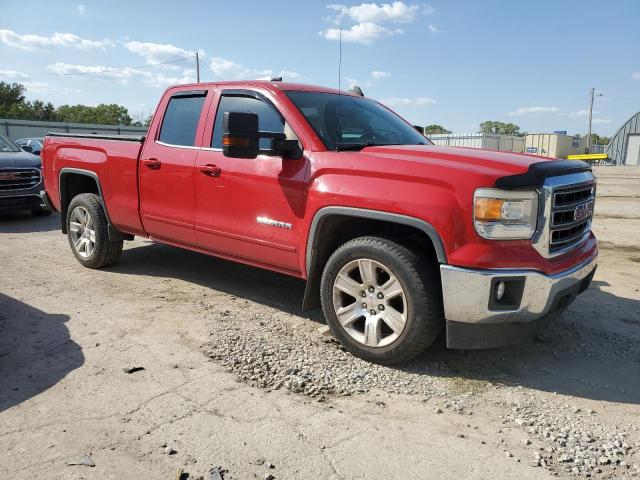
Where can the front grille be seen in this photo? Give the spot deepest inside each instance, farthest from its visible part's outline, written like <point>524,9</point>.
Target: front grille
<point>19,178</point>
<point>571,212</point>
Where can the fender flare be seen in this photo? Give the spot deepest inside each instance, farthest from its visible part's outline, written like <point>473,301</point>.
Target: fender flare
<point>113,232</point>
<point>321,214</point>
<point>310,300</point>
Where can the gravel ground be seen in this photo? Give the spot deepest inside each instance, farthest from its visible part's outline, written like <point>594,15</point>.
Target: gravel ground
<point>234,375</point>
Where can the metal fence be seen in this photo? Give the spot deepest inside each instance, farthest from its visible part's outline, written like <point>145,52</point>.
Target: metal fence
<point>479,140</point>
<point>16,129</point>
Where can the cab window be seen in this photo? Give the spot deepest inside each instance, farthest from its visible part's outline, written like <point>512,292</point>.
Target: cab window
<point>269,119</point>
<point>181,119</point>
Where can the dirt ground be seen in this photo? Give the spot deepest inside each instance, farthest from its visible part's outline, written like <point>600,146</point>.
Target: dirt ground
<point>548,408</point>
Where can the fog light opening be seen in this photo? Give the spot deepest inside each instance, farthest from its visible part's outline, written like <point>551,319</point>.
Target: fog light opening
<point>501,288</point>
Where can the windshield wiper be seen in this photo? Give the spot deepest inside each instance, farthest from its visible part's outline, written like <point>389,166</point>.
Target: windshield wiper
<point>359,146</point>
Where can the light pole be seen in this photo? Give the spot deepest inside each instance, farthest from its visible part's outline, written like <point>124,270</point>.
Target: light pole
<point>592,94</point>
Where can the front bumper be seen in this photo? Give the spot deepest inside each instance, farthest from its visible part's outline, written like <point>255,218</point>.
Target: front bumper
<point>475,319</point>
<point>22,202</point>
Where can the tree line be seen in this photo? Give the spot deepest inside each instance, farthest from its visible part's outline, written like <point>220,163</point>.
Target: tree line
<point>502,128</point>
<point>13,104</point>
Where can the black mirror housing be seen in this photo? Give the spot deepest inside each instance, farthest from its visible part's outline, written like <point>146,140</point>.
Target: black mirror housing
<point>27,148</point>
<point>240,137</point>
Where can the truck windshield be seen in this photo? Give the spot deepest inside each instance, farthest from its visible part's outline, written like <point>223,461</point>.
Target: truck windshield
<point>7,145</point>
<point>345,122</point>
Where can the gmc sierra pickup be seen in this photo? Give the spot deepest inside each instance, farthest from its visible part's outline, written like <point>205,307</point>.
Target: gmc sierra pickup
<point>395,237</point>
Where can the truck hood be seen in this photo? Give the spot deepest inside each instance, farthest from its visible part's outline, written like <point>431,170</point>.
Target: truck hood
<point>19,159</point>
<point>489,163</point>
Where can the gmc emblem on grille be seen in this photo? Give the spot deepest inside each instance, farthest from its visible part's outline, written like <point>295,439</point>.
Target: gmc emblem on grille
<point>582,212</point>
<point>9,176</point>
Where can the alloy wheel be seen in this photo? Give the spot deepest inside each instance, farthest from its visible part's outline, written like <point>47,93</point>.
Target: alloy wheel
<point>83,234</point>
<point>370,302</point>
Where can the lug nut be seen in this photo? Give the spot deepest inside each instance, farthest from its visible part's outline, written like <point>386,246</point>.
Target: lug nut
<point>380,295</point>
<point>371,289</point>
<point>364,304</point>
<point>380,307</point>
<point>373,312</point>
<point>363,294</point>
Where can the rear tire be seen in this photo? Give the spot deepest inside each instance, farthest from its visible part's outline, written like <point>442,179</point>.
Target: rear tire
<point>87,231</point>
<point>382,299</point>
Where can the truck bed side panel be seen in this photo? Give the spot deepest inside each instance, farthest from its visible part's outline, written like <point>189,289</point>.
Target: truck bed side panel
<point>114,162</point>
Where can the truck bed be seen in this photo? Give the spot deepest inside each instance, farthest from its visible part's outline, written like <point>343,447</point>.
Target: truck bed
<point>111,159</point>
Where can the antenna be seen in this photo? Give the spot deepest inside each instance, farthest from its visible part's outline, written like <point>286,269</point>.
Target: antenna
<point>339,88</point>
<point>197,67</point>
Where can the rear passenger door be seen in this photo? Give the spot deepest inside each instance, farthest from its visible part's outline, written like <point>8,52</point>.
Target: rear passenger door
<point>167,198</point>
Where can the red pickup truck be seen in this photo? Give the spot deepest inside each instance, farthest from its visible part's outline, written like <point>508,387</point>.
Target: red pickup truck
<point>396,238</point>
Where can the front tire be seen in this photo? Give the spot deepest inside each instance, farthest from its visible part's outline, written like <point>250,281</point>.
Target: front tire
<point>87,231</point>
<point>382,300</point>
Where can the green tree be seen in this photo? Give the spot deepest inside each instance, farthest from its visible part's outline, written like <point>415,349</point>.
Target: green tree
<point>500,128</point>
<point>435,129</point>
<point>598,140</point>
<point>38,110</point>
<point>111,114</point>
<point>12,101</point>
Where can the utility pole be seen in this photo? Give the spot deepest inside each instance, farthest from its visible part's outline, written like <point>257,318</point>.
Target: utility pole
<point>198,68</point>
<point>592,94</point>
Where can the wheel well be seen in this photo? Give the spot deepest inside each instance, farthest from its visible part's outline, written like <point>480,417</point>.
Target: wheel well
<point>71,185</point>
<point>335,230</point>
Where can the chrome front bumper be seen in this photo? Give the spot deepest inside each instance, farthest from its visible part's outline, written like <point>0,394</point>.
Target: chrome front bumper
<point>470,306</point>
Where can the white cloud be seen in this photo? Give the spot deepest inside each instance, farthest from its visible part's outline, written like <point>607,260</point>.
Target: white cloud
<point>352,82</point>
<point>529,111</point>
<point>579,113</point>
<point>13,74</point>
<point>37,87</point>
<point>433,29</point>
<point>396,12</point>
<point>636,76</point>
<point>95,71</point>
<point>157,52</point>
<point>82,9</point>
<point>601,120</point>
<point>364,33</point>
<point>225,69</point>
<point>409,102</point>
<point>379,74</point>
<point>369,18</point>
<point>123,76</point>
<point>32,42</point>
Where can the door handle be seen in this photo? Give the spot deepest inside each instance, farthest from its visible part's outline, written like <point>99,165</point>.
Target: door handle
<point>152,163</point>
<point>210,170</point>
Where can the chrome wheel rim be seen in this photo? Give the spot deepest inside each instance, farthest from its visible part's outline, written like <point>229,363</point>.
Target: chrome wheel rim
<point>370,302</point>
<point>82,230</point>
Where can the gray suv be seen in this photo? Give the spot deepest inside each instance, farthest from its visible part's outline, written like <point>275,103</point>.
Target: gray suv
<point>20,180</point>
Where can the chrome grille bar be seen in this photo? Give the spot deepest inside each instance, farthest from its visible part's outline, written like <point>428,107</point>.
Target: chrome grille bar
<point>19,179</point>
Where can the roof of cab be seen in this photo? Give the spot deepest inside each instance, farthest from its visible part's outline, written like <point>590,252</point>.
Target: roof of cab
<point>286,86</point>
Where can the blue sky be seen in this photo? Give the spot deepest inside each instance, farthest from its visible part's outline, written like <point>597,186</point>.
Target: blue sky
<point>455,63</point>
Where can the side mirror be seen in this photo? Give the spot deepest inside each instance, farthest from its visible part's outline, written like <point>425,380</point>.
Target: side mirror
<point>240,136</point>
<point>37,152</point>
<point>27,148</point>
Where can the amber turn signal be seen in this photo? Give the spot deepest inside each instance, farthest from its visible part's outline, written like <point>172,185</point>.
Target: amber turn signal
<point>235,142</point>
<point>488,209</point>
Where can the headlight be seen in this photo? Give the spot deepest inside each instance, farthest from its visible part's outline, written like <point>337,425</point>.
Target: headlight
<point>505,214</point>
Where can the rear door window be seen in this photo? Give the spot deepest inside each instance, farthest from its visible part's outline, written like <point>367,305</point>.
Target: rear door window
<point>181,119</point>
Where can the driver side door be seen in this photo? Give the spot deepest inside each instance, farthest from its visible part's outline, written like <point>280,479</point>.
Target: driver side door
<point>249,209</point>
